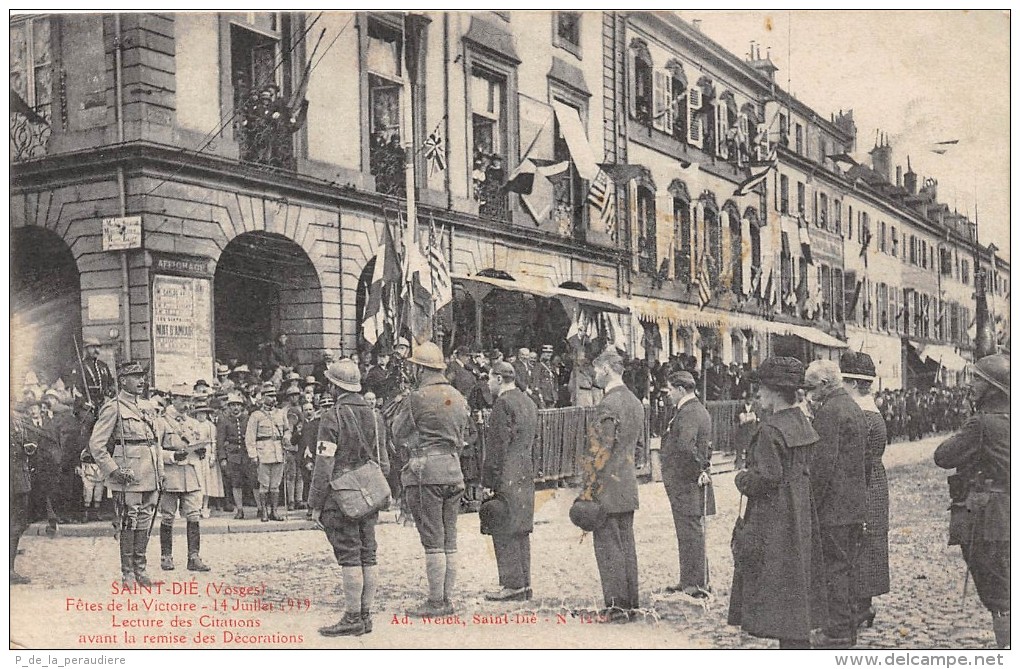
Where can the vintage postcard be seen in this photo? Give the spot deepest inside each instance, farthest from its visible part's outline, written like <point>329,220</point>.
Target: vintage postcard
<point>509,329</point>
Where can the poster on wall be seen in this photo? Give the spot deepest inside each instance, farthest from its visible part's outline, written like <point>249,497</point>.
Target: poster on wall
<point>181,330</point>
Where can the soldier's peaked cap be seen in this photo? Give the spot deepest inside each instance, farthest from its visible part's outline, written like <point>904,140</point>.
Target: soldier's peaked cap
<point>130,367</point>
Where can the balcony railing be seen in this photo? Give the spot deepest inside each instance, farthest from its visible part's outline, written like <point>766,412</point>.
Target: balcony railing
<point>28,137</point>
<point>386,162</point>
<point>489,181</point>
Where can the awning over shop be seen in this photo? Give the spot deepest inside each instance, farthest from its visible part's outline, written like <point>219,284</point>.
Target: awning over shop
<point>944,355</point>
<point>657,310</point>
<point>588,298</point>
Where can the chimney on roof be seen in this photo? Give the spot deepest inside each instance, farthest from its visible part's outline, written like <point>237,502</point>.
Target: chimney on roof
<point>763,65</point>
<point>910,179</point>
<point>881,157</point>
<point>899,176</point>
<point>697,24</point>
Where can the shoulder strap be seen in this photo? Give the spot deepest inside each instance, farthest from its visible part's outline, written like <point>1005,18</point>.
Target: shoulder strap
<point>357,428</point>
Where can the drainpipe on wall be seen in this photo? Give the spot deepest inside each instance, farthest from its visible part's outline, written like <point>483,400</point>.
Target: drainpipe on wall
<point>446,106</point>
<point>121,187</point>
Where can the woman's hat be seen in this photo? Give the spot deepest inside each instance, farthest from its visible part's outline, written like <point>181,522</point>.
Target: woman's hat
<point>780,372</point>
<point>857,365</point>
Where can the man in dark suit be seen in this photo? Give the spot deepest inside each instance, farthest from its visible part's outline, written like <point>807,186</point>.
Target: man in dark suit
<point>686,460</point>
<point>458,373</point>
<point>46,488</point>
<point>838,487</point>
<point>608,472</point>
<point>544,379</point>
<point>522,371</point>
<point>508,471</point>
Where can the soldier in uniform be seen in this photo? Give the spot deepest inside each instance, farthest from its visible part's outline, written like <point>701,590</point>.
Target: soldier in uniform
<point>979,490</point>
<point>183,456</point>
<point>608,472</point>
<point>234,460</point>
<point>97,383</point>
<point>21,484</point>
<point>291,456</point>
<point>126,445</point>
<point>267,431</point>
<point>686,461</point>
<point>544,380</point>
<point>432,423</point>
<point>348,436</point>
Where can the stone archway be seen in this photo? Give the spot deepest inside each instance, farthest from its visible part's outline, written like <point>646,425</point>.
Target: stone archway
<point>266,285</point>
<point>45,307</point>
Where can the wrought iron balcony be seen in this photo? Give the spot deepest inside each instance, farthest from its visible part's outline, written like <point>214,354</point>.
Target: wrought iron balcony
<point>29,133</point>
<point>386,162</point>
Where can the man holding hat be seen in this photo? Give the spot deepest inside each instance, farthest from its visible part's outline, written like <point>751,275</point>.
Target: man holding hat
<point>349,435</point>
<point>838,486</point>
<point>460,376</point>
<point>126,446</point>
<point>686,461</point>
<point>608,472</point>
<point>980,489</point>
<point>267,432</point>
<point>432,422</point>
<point>231,429</point>
<point>183,460</point>
<point>544,379</point>
<point>97,383</point>
<point>508,471</point>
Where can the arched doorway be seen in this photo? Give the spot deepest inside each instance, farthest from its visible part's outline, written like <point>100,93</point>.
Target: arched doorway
<point>266,285</point>
<point>45,305</point>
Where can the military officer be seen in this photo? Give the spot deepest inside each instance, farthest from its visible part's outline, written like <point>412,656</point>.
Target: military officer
<point>183,455</point>
<point>544,379</point>
<point>267,431</point>
<point>97,383</point>
<point>980,489</point>
<point>126,445</point>
<point>608,473</point>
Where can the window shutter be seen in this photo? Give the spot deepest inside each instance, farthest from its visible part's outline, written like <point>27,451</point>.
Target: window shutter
<point>694,130</point>
<point>668,103</point>
<point>658,99</point>
<point>721,129</point>
<point>632,84</point>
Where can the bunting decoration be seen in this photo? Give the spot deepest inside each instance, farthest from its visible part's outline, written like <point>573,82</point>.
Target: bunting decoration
<point>704,283</point>
<point>758,173</point>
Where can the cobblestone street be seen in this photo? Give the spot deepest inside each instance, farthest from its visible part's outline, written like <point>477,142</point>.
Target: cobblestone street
<point>923,611</point>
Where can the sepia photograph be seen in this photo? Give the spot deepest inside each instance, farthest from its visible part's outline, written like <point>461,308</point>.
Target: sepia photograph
<point>510,329</point>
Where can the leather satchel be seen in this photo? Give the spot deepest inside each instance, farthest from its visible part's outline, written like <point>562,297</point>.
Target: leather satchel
<point>363,490</point>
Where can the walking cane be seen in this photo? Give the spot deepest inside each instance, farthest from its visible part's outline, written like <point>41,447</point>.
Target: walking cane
<point>704,529</point>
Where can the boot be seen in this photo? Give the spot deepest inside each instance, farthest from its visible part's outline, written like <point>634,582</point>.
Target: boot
<point>263,510</point>
<point>350,625</point>
<point>272,507</point>
<point>141,544</point>
<point>127,562</point>
<point>366,620</point>
<point>166,547</point>
<point>1000,625</point>
<point>194,539</point>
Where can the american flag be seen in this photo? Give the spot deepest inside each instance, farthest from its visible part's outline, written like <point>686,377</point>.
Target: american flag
<point>602,196</point>
<point>442,284</point>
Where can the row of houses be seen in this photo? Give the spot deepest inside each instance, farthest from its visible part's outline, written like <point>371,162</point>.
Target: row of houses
<point>187,186</point>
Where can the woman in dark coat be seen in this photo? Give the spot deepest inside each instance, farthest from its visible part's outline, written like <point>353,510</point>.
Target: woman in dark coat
<point>509,472</point>
<point>871,570</point>
<point>778,591</point>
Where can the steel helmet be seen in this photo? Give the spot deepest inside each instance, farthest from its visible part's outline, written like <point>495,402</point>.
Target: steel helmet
<point>345,375</point>
<point>428,355</point>
<point>995,370</point>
